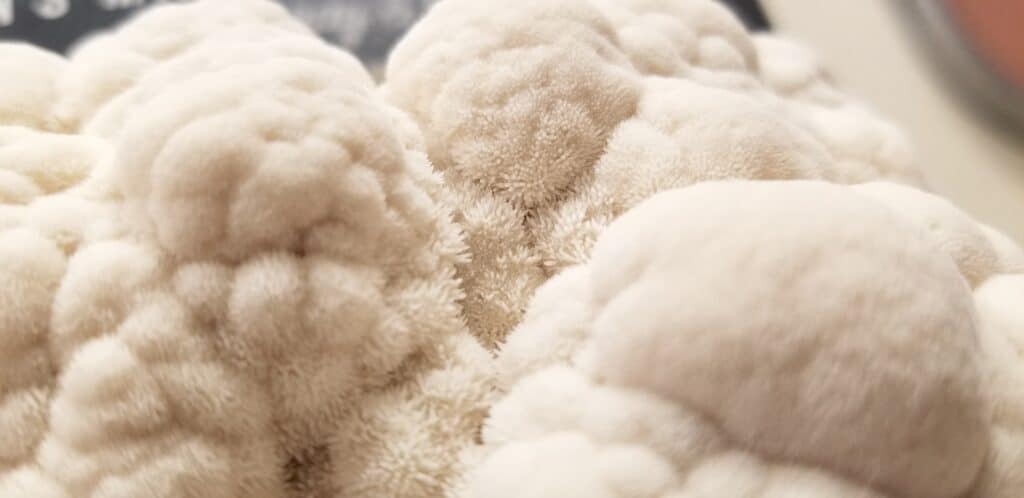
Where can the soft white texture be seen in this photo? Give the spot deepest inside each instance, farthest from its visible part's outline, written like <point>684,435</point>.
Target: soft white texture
<point>105,65</point>
<point>764,346</point>
<point>59,207</point>
<point>560,430</point>
<point>30,269</point>
<point>999,301</point>
<point>1010,256</point>
<point>682,38</point>
<point>534,469</point>
<point>274,311</point>
<point>864,146</point>
<point>34,163</point>
<point>516,101</point>
<point>220,50</point>
<point>682,133</point>
<point>28,89</point>
<point>952,230</point>
<point>838,324</point>
<point>269,133</point>
<point>244,278</point>
<point>550,119</point>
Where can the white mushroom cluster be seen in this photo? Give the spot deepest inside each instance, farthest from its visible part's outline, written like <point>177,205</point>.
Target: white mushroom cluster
<point>750,338</point>
<point>567,248</point>
<point>268,303</point>
<point>548,119</point>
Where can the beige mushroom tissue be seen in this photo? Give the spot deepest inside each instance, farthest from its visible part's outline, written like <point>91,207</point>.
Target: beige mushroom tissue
<point>565,249</point>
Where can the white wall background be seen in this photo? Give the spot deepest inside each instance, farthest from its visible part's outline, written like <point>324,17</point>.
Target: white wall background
<point>870,52</point>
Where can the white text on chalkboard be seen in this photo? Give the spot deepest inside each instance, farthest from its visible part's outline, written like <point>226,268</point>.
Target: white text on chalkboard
<point>52,10</point>
<point>6,12</point>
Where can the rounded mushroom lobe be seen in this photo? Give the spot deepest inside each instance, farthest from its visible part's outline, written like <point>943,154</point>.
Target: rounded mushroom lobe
<point>810,323</point>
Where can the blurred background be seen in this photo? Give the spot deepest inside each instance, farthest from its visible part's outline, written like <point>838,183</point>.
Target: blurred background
<point>950,72</point>
<point>366,27</point>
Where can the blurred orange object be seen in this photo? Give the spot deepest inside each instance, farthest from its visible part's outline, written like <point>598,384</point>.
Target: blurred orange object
<point>995,29</point>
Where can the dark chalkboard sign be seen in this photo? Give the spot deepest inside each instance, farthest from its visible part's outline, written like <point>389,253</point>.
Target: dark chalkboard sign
<point>56,24</point>
<point>368,28</point>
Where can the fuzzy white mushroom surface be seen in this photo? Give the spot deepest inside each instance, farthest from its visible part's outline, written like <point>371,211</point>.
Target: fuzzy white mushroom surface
<point>566,249</point>
<point>797,336</point>
<point>549,119</point>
